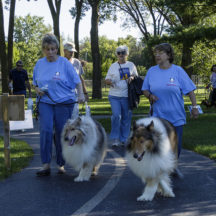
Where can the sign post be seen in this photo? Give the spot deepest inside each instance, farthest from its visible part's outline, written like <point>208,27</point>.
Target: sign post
<point>11,108</point>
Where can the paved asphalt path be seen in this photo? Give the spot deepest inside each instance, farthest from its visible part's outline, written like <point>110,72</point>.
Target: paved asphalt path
<point>112,193</point>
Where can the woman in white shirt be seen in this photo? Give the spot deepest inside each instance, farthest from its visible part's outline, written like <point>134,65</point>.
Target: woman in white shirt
<point>119,75</point>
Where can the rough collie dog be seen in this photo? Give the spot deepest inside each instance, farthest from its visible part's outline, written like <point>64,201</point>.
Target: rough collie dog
<point>84,144</point>
<point>152,155</point>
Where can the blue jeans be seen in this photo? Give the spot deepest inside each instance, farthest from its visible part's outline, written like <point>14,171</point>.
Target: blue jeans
<point>52,115</point>
<point>23,92</point>
<point>121,118</point>
<point>179,130</point>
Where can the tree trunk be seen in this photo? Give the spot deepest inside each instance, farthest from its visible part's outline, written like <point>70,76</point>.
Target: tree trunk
<point>3,54</point>
<point>96,88</point>
<point>187,57</point>
<point>10,35</point>
<point>76,27</point>
<point>55,16</point>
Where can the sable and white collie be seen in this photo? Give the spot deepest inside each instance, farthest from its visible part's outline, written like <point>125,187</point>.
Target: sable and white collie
<point>152,155</point>
<point>84,143</point>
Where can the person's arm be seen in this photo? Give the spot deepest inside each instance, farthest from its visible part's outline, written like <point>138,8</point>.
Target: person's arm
<point>81,97</point>
<point>195,111</point>
<point>84,88</point>
<point>29,88</point>
<point>152,98</point>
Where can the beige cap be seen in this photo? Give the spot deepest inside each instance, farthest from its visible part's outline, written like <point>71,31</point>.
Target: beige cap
<point>70,47</point>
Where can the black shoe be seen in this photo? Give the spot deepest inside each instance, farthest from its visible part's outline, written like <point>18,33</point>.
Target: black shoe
<point>60,172</point>
<point>44,172</point>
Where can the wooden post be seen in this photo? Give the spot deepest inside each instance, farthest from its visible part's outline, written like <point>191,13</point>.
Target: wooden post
<point>6,130</point>
<point>11,109</point>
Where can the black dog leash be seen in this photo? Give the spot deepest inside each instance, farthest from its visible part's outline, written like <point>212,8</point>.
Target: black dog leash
<point>36,110</point>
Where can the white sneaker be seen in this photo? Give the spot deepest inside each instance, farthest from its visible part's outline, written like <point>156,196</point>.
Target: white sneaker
<point>115,142</point>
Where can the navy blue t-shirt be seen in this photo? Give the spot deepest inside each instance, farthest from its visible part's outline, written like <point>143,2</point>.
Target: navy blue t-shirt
<point>18,78</point>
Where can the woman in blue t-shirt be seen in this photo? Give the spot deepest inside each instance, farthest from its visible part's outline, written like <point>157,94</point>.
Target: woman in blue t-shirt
<point>164,86</point>
<point>54,80</point>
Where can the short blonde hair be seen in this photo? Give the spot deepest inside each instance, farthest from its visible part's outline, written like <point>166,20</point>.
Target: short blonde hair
<point>122,48</point>
<point>49,39</point>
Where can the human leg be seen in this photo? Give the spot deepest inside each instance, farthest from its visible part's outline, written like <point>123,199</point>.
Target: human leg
<point>61,114</point>
<point>46,134</point>
<point>125,120</point>
<point>179,131</point>
<point>116,117</point>
<point>213,97</point>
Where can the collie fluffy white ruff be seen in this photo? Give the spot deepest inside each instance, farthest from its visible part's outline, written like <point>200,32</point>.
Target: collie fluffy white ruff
<point>84,144</point>
<point>152,155</point>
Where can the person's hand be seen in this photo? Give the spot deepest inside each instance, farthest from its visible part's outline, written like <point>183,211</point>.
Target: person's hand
<point>152,98</point>
<point>130,79</point>
<point>110,82</point>
<point>86,96</point>
<point>39,91</point>
<point>81,98</point>
<point>194,113</point>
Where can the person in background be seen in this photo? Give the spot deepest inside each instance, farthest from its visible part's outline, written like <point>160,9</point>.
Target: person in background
<point>212,98</point>
<point>164,86</point>
<point>54,80</point>
<point>119,75</point>
<point>18,80</point>
<point>69,50</point>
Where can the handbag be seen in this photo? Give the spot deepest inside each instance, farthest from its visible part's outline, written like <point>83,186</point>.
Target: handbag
<point>134,90</point>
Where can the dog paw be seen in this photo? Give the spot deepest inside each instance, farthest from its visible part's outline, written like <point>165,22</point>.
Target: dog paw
<point>80,179</point>
<point>144,198</point>
<point>169,194</point>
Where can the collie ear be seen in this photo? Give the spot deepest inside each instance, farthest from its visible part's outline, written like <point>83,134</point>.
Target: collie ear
<point>150,126</point>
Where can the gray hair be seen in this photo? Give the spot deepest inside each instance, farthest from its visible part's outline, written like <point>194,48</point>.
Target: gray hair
<point>49,39</point>
<point>122,48</point>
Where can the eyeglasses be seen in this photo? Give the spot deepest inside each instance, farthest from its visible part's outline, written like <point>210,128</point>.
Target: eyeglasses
<point>158,53</point>
<point>123,53</point>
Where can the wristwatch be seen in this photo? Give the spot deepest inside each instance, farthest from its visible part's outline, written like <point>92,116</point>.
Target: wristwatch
<point>195,107</point>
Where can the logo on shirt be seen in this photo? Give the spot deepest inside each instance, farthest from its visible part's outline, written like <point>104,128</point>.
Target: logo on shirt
<point>171,82</point>
<point>57,76</point>
<point>124,73</point>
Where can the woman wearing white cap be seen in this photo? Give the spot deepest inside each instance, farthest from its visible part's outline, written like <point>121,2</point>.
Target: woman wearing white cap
<point>119,75</point>
<point>69,50</point>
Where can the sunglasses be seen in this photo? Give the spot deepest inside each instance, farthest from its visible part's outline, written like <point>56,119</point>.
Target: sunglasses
<point>123,53</point>
<point>19,65</point>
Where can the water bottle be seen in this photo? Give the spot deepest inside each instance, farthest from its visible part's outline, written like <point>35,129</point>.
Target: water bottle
<point>30,104</point>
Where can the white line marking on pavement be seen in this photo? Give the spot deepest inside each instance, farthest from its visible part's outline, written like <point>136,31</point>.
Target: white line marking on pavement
<point>109,186</point>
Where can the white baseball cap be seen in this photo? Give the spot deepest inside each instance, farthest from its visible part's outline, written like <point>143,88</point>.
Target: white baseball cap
<point>70,47</point>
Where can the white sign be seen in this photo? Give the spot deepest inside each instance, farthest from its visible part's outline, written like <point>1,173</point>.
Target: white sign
<point>21,125</point>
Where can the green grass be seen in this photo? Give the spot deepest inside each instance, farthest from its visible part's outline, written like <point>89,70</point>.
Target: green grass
<point>20,153</point>
<point>198,136</point>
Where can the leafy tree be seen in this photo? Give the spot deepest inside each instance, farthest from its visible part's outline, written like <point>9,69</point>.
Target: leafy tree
<point>143,14</point>
<point>186,25</point>
<point>55,12</point>
<point>10,34</point>
<point>4,60</point>
<point>96,79</point>
<point>78,12</point>
<point>28,33</point>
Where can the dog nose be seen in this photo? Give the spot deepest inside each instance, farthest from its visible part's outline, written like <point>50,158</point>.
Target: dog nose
<point>135,155</point>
